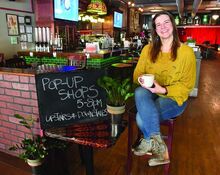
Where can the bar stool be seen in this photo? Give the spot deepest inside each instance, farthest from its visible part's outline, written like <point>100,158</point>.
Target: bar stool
<point>168,138</point>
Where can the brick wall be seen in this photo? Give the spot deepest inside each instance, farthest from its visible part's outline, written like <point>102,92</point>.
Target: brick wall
<point>17,96</point>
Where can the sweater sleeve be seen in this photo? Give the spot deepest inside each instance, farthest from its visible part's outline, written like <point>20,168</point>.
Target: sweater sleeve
<point>179,91</point>
<point>140,67</point>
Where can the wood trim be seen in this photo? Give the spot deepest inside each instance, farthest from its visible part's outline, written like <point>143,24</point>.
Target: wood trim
<point>17,10</point>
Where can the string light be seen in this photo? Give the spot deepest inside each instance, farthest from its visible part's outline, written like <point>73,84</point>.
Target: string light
<point>90,18</point>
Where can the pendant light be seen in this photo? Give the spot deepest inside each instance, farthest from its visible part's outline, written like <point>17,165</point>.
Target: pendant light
<point>97,7</point>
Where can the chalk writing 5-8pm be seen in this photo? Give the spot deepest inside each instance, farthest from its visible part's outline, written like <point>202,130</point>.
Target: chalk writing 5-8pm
<point>89,103</point>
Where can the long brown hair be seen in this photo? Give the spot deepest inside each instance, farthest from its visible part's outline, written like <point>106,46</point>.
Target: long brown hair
<point>156,42</point>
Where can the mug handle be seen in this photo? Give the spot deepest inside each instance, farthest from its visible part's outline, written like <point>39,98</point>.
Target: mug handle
<point>139,80</point>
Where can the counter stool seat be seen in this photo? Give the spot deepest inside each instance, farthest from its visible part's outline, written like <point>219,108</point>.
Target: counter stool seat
<point>168,138</point>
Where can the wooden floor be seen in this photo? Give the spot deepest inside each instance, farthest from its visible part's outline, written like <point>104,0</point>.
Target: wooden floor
<point>196,145</point>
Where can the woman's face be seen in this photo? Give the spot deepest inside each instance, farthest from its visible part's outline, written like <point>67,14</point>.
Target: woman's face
<point>164,27</point>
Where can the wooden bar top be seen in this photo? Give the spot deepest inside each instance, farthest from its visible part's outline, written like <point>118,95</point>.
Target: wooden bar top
<point>17,71</point>
<point>101,54</point>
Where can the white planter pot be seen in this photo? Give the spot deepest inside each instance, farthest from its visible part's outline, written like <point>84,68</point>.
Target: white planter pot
<point>116,114</point>
<point>34,163</point>
<point>116,109</point>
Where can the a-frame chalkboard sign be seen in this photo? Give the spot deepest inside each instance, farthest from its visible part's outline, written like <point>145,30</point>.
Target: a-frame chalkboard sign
<point>66,98</point>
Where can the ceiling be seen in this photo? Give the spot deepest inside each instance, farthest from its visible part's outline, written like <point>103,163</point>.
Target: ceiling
<point>171,5</point>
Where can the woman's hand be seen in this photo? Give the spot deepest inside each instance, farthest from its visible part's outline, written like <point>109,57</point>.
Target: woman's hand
<point>156,88</point>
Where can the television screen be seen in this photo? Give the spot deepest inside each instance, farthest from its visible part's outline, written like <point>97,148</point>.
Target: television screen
<point>118,17</point>
<point>66,9</point>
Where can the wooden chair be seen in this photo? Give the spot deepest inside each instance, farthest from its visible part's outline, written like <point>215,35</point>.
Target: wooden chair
<point>16,63</point>
<point>168,139</point>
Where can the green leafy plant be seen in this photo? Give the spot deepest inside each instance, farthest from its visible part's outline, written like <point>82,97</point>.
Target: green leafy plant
<point>190,40</point>
<point>118,91</point>
<point>35,147</point>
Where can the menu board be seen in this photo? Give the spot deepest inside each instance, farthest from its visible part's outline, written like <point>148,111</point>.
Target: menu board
<point>66,98</point>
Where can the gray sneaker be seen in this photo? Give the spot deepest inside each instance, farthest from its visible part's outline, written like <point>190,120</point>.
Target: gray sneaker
<point>159,149</point>
<point>143,148</point>
<point>158,161</point>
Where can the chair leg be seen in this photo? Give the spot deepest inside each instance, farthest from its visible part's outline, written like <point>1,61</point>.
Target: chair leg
<point>129,153</point>
<point>169,144</point>
<point>130,141</point>
<point>170,136</point>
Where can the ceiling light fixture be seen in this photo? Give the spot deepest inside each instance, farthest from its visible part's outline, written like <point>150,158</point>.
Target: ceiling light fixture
<point>156,10</point>
<point>97,7</point>
<point>212,8</point>
<point>215,16</point>
<point>131,4</point>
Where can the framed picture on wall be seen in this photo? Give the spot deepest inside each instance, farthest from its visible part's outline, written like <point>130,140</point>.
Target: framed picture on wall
<point>21,19</point>
<point>12,23</point>
<point>23,45</point>
<point>14,40</point>
<point>27,20</point>
<point>21,29</point>
<point>23,38</point>
<point>29,38</point>
<point>28,29</point>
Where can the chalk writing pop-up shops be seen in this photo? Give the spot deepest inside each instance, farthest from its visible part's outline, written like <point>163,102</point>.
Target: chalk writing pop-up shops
<point>70,97</point>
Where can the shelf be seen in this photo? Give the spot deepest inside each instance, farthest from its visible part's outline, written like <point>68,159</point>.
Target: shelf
<point>200,26</point>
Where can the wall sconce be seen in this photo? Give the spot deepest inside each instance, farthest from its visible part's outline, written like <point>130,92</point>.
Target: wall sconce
<point>131,4</point>
<point>140,9</point>
<point>215,16</point>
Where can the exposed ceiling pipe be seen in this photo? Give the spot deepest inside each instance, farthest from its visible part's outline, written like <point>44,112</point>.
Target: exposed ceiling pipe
<point>195,7</point>
<point>180,7</point>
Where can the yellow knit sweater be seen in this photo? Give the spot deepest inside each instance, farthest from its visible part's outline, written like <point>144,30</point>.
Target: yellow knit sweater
<point>178,76</point>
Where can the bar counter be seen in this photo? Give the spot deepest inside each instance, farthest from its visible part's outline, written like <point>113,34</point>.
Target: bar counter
<point>105,53</point>
<point>6,70</point>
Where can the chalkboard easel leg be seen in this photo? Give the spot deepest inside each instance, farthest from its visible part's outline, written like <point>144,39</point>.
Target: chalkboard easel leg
<point>88,159</point>
<point>36,170</point>
<point>81,154</point>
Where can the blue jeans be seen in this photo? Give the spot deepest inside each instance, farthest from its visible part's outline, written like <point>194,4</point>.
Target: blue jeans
<point>151,109</point>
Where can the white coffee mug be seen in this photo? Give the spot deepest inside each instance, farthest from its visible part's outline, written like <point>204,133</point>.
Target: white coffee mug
<point>146,80</point>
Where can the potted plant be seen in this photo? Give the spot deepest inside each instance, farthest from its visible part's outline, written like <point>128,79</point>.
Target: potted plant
<point>118,91</point>
<point>35,148</point>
